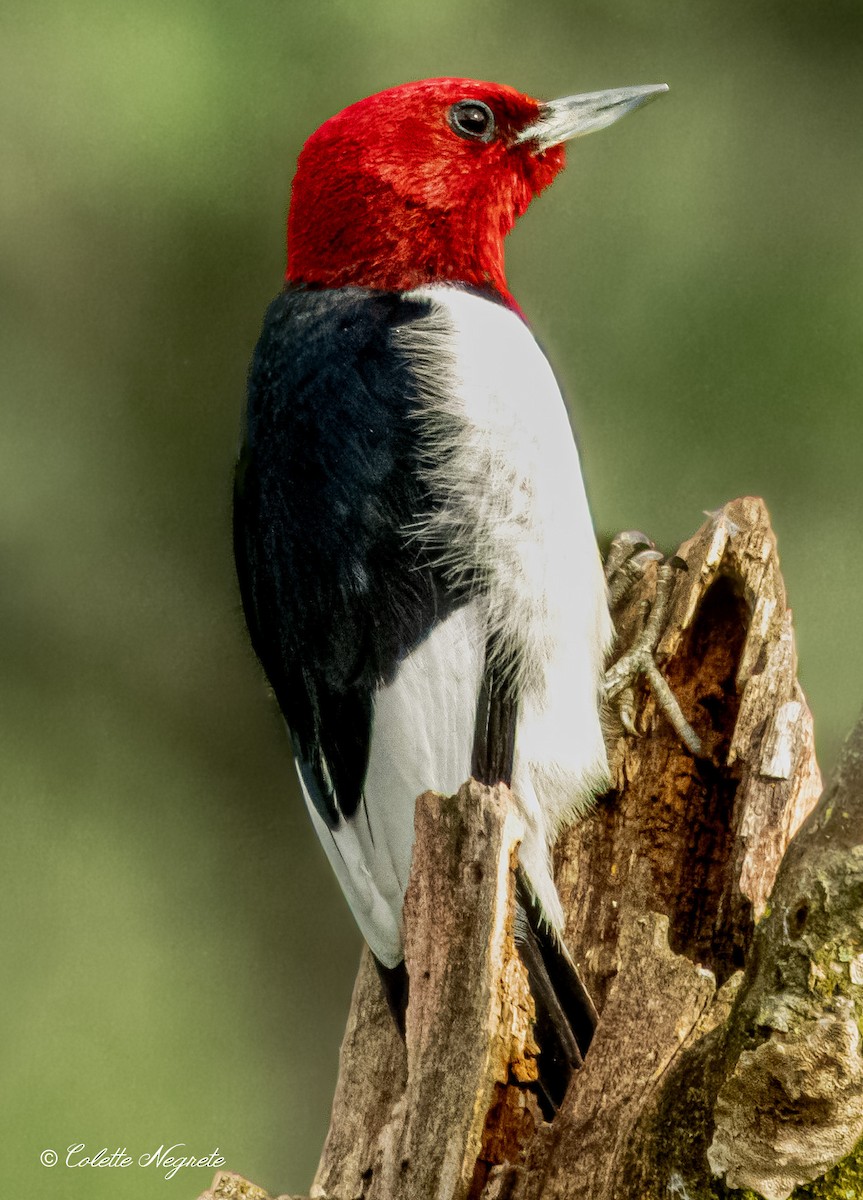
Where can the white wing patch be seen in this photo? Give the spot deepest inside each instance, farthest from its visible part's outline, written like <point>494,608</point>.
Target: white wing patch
<point>422,740</point>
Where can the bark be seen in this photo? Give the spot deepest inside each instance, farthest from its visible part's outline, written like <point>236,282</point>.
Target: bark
<point>724,953</point>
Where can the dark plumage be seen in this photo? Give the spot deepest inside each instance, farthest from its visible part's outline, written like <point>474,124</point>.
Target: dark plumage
<point>334,591</point>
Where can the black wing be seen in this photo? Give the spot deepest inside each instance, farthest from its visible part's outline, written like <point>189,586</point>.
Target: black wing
<point>334,591</point>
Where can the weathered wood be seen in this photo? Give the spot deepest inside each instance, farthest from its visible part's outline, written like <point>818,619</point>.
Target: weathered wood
<point>772,1096</point>
<point>730,990</point>
<point>468,1021</point>
<point>469,1015</point>
<point>655,1004</point>
<point>700,840</point>
<point>791,1104</point>
<point>372,1078</point>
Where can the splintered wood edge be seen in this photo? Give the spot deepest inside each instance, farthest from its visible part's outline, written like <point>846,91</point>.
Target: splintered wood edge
<point>460,1022</point>
<point>468,1023</point>
<point>773,737</point>
<point>371,1079</point>
<point>655,774</point>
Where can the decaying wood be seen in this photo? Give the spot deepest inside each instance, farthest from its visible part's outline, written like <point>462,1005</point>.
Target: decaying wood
<point>728,973</point>
<point>792,1105</point>
<point>469,1017</point>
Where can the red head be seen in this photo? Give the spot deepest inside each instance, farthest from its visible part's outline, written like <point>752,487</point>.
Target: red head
<point>423,182</point>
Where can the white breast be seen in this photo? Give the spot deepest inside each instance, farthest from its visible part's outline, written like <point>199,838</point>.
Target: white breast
<point>502,457</point>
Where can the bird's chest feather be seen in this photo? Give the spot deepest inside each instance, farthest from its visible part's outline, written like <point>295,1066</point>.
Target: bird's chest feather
<point>510,517</point>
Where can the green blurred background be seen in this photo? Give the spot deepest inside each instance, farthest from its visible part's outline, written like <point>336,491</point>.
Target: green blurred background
<point>177,962</point>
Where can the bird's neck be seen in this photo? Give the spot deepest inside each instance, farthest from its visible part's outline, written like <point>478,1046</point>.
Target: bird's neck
<point>352,238</point>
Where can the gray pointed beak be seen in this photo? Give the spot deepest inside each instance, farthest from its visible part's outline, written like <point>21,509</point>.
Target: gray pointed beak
<point>574,116</point>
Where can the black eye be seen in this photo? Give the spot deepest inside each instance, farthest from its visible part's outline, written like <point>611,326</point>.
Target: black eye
<point>472,119</point>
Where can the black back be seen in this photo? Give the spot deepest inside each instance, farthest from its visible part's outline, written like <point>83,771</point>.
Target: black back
<point>335,591</point>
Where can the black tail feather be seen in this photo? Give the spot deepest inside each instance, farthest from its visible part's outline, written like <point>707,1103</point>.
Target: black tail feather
<point>565,1014</point>
<point>396,987</point>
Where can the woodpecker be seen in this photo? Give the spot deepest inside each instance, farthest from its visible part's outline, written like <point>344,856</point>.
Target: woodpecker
<point>415,553</point>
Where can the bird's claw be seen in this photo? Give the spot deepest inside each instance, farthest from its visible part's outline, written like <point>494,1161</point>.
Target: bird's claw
<point>625,700</point>
<point>628,557</point>
<point>623,547</point>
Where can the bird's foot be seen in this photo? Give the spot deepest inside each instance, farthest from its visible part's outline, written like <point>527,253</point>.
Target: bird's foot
<point>628,558</point>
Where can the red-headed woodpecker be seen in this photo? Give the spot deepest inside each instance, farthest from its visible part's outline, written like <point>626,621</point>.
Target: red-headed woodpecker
<point>416,558</point>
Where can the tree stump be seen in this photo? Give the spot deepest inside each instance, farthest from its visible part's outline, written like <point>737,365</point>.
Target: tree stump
<point>725,954</point>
